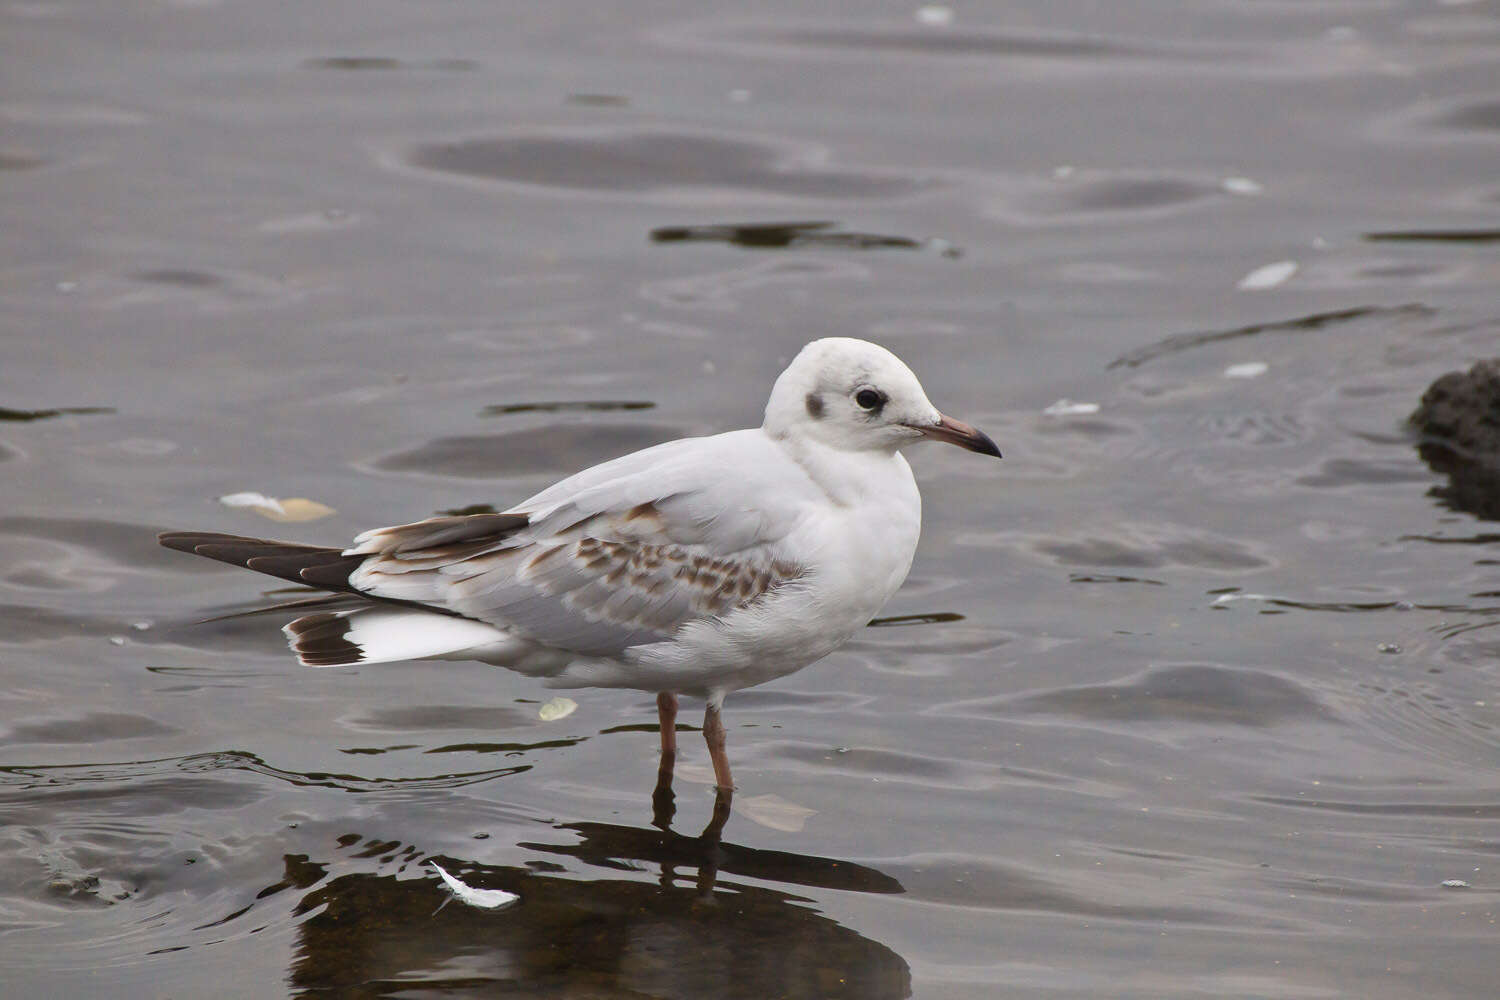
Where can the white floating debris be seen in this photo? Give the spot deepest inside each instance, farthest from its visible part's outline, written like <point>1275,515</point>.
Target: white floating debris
<point>254,500</point>
<point>557,708</point>
<point>1068,408</point>
<point>290,509</point>
<point>1062,172</point>
<point>1223,599</point>
<point>1249,369</point>
<point>1387,647</point>
<point>117,640</point>
<point>1241,185</point>
<point>1268,277</point>
<point>485,899</point>
<point>141,626</point>
<point>1455,883</point>
<point>775,812</point>
<point>935,15</point>
<point>308,222</point>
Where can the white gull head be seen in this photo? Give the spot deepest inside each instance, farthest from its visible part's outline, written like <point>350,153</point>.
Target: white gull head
<point>853,395</point>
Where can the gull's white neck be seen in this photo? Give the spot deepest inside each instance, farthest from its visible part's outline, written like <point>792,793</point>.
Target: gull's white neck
<point>850,478</point>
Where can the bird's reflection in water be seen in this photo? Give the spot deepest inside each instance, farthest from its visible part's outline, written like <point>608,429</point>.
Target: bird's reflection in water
<point>694,931</point>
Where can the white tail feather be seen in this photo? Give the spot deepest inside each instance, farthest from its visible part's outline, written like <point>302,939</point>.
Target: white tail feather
<point>381,635</point>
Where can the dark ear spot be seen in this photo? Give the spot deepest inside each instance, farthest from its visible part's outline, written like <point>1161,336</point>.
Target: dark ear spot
<point>814,406</point>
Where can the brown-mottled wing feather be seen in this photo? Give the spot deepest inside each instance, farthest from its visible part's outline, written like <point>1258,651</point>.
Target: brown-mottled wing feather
<point>446,536</point>
<point>595,582</point>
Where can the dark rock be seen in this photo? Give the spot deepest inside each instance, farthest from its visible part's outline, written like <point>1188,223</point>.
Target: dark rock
<point>1459,420</point>
<point>1462,410</point>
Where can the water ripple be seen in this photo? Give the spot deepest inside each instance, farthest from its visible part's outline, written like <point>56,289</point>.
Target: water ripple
<point>1301,324</point>
<point>1136,547</point>
<point>660,162</point>
<point>1196,693</point>
<point>559,448</point>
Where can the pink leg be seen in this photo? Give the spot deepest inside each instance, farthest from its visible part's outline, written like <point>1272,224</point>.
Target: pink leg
<point>666,714</point>
<point>713,735</point>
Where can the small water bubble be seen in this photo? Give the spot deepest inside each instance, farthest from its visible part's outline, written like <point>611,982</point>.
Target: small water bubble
<point>1455,883</point>
<point>1388,647</point>
<point>481,836</point>
<point>840,749</point>
<point>1404,605</point>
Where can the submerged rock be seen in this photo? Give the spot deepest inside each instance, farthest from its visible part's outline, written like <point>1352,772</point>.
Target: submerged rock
<point>1459,420</point>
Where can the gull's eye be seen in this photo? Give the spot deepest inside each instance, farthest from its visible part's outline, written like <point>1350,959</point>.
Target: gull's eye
<point>870,399</point>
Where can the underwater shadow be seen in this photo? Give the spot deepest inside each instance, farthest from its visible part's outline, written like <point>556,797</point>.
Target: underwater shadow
<point>622,911</point>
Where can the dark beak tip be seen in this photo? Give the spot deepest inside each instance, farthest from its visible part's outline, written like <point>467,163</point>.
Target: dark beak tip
<point>984,445</point>
<point>964,435</point>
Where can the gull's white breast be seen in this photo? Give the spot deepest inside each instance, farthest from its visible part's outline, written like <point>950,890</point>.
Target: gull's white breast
<point>851,525</point>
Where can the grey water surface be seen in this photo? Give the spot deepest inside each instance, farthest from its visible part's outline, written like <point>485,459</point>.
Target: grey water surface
<point>1194,694</point>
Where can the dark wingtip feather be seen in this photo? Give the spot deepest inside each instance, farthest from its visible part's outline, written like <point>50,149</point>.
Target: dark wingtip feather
<point>291,565</point>
<point>440,531</point>
<point>188,541</point>
<point>332,574</point>
<point>172,540</point>
<point>316,564</point>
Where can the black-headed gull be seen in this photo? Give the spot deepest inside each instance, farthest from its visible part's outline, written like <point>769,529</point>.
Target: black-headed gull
<point>697,567</point>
